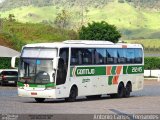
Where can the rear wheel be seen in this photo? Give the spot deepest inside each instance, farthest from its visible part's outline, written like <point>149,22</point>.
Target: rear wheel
<point>72,95</point>
<point>121,91</point>
<point>40,100</point>
<point>128,90</point>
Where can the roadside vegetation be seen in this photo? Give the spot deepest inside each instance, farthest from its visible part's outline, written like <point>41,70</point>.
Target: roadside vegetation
<point>17,34</point>
<point>135,19</point>
<point>151,63</point>
<point>151,46</point>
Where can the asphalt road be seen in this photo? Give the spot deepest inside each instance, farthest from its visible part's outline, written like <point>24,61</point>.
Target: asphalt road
<point>145,101</point>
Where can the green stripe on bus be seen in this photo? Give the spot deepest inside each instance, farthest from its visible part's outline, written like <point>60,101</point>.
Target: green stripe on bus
<point>71,70</point>
<point>88,71</point>
<point>101,70</point>
<point>125,69</point>
<point>113,71</point>
<point>110,80</point>
<point>135,69</point>
<point>20,84</point>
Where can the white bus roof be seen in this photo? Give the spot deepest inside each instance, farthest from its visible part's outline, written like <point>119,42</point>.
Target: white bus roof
<point>84,43</point>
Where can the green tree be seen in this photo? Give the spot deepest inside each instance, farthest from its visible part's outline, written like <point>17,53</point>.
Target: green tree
<point>99,31</point>
<point>62,19</point>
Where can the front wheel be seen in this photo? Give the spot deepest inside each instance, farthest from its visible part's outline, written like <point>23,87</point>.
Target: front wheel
<point>39,100</point>
<point>72,95</point>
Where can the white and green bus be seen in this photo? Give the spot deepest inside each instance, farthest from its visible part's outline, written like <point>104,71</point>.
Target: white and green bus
<point>76,68</point>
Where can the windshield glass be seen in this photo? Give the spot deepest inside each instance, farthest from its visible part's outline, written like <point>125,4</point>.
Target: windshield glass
<point>37,68</point>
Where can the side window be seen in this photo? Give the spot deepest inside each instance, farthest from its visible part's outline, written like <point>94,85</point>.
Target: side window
<point>100,56</point>
<point>121,55</point>
<point>111,56</point>
<point>130,55</point>
<point>76,56</point>
<point>87,56</point>
<point>138,55</point>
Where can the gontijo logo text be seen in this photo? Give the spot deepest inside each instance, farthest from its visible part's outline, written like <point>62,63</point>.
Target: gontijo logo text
<point>105,70</point>
<point>85,72</point>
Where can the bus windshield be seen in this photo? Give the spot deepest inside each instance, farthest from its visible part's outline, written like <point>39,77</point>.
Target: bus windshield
<point>37,68</point>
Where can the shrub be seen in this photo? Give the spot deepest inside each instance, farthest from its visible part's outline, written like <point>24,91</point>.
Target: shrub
<point>99,31</point>
<point>5,63</point>
<point>151,63</point>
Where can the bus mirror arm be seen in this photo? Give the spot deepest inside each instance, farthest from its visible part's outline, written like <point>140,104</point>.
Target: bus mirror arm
<point>13,61</point>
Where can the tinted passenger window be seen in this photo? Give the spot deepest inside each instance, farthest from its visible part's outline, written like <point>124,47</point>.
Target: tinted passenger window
<point>87,56</point>
<point>82,56</point>
<point>111,56</point>
<point>100,56</point>
<point>76,56</point>
<point>121,55</point>
<point>130,55</point>
<point>138,55</point>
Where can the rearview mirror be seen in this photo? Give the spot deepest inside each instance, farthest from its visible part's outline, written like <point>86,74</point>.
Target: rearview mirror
<point>13,61</point>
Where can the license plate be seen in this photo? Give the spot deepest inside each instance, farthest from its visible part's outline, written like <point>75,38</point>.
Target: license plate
<point>33,93</point>
<point>11,81</point>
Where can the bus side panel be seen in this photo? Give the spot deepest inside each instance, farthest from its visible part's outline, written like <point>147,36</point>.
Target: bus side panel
<point>137,82</point>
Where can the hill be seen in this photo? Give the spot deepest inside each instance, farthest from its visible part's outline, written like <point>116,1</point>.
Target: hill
<point>15,34</point>
<point>136,19</point>
<point>10,4</point>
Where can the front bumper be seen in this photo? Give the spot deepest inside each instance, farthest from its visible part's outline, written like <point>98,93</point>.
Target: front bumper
<point>37,93</point>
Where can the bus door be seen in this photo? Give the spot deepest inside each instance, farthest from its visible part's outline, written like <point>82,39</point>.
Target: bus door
<point>61,89</point>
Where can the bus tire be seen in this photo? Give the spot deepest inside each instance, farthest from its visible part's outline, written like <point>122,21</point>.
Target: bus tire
<point>2,84</point>
<point>121,91</point>
<point>73,94</point>
<point>128,89</point>
<point>93,97</point>
<point>39,100</point>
